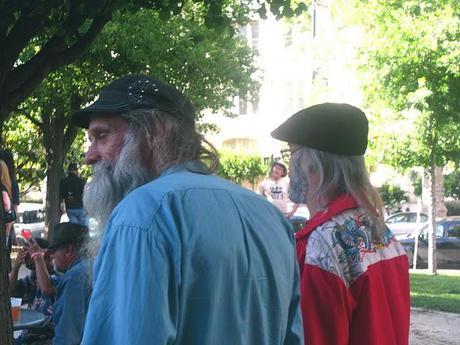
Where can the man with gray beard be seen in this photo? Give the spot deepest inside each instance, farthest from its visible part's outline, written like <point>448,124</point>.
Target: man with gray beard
<point>354,274</point>
<point>185,257</point>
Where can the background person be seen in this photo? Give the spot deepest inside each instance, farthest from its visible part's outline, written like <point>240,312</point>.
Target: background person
<point>186,257</point>
<point>8,211</point>
<point>7,156</point>
<point>71,190</point>
<point>276,189</point>
<point>9,186</point>
<point>73,289</point>
<point>36,299</point>
<point>354,274</point>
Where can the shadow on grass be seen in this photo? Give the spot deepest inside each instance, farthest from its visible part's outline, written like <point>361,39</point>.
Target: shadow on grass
<point>439,292</point>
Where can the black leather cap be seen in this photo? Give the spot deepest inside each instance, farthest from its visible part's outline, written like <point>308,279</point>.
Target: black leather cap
<point>137,92</point>
<point>66,233</point>
<point>337,128</point>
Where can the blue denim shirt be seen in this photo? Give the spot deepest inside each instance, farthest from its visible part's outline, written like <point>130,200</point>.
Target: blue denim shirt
<point>194,259</point>
<point>73,294</point>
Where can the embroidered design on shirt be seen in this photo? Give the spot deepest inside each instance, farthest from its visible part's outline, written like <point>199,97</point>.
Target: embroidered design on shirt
<point>353,237</point>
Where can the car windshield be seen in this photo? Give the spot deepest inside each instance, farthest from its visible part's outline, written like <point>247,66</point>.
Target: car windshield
<point>28,217</point>
<point>439,230</point>
<point>453,230</point>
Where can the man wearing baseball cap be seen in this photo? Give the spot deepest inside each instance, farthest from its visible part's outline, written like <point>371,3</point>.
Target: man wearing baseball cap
<point>185,257</point>
<point>71,191</point>
<point>354,274</point>
<point>73,288</point>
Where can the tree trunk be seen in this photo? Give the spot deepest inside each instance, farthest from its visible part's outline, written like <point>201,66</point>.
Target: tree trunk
<point>432,267</point>
<point>54,175</point>
<point>440,209</point>
<point>6,330</point>
<point>53,140</point>
<point>58,136</point>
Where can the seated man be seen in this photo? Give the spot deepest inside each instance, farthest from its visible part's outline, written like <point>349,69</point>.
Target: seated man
<point>74,286</point>
<point>40,300</point>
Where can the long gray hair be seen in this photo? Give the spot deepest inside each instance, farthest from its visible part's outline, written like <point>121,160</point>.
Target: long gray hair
<point>170,140</point>
<point>336,175</point>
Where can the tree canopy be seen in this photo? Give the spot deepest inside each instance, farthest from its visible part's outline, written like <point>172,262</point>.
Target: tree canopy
<point>40,36</point>
<point>413,56</point>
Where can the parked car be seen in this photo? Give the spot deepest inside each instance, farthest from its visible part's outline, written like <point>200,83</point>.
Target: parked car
<point>447,244</point>
<point>30,222</point>
<point>405,223</point>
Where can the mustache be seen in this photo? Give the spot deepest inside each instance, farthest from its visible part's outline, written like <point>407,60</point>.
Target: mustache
<point>111,182</point>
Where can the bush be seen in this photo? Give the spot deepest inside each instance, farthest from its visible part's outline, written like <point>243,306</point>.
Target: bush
<point>392,196</point>
<point>452,185</point>
<point>240,167</point>
<point>453,208</point>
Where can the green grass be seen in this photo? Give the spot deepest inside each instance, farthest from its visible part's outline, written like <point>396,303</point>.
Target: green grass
<point>438,292</point>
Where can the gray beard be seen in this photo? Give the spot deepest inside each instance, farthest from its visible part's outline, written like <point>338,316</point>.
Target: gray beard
<point>298,182</point>
<point>110,184</point>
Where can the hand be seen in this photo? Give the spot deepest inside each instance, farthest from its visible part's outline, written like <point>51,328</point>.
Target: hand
<point>33,247</point>
<point>20,258</point>
<point>289,214</point>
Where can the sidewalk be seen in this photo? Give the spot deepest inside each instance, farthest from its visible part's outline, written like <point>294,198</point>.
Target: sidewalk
<point>429,327</point>
<point>455,273</point>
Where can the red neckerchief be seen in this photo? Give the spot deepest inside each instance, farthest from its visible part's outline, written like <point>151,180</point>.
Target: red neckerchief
<point>342,203</point>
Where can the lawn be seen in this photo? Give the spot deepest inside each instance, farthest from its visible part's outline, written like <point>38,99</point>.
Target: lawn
<point>438,292</point>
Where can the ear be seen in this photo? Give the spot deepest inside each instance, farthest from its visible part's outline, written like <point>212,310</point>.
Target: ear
<point>69,250</point>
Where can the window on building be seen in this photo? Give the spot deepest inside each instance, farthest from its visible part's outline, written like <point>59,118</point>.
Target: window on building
<point>242,106</point>
<point>288,37</point>
<point>255,35</point>
<point>255,104</point>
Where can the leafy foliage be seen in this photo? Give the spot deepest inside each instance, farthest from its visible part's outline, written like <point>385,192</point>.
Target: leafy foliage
<point>22,135</point>
<point>392,196</point>
<point>209,66</point>
<point>452,184</point>
<point>416,181</point>
<point>412,59</point>
<point>41,36</point>
<point>238,167</point>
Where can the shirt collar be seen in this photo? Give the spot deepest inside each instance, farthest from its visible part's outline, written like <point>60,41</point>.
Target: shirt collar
<point>192,166</point>
<point>342,203</point>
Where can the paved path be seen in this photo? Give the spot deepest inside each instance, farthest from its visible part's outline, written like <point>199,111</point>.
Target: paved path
<point>430,327</point>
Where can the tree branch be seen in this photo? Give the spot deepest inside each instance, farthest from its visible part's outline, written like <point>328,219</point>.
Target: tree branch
<point>33,72</point>
<point>26,27</point>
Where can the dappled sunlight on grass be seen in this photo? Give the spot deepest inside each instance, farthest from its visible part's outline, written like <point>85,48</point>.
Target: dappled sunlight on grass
<point>435,292</point>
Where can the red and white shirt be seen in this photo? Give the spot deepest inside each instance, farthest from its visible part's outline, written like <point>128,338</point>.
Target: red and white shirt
<point>354,287</point>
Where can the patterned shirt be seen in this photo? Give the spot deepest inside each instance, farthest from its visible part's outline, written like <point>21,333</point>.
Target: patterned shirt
<point>354,279</point>
<point>28,290</point>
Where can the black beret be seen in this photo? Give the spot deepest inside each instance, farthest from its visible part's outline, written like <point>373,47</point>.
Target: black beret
<point>137,92</point>
<point>66,233</point>
<point>331,127</point>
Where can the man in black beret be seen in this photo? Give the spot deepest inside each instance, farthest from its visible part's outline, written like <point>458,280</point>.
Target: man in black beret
<point>185,257</point>
<point>354,274</point>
